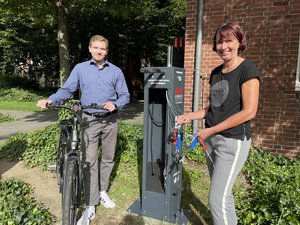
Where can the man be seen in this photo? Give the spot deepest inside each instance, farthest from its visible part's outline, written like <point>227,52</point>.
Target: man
<point>102,83</point>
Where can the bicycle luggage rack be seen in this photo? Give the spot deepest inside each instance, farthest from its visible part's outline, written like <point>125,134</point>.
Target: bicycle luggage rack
<point>162,174</point>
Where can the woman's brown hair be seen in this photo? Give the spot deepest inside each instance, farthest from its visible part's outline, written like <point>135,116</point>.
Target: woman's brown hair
<point>228,29</point>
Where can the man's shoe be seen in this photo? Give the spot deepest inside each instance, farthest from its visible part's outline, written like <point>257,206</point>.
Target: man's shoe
<point>106,201</point>
<point>87,216</point>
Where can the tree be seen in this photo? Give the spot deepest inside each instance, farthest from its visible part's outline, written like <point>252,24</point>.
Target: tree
<point>63,41</point>
<point>141,29</point>
<point>27,34</point>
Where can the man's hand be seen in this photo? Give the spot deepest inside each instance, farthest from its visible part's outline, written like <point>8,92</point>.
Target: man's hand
<point>109,106</point>
<point>43,103</point>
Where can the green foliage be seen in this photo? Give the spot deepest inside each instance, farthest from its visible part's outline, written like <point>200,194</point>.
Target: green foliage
<point>5,118</point>
<point>130,143</point>
<point>274,195</point>
<point>28,36</point>
<point>41,147</point>
<point>29,32</point>
<point>65,114</point>
<point>17,206</point>
<point>20,89</point>
<point>14,147</point>
<point>15,81</point>
<point>36,148</point>
<point>18,95</point>
<point>136,23</point>
<point>196,155</point>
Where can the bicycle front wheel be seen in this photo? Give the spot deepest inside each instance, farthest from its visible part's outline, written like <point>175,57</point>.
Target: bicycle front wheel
<point>61,154</point>
<point>70,193</point>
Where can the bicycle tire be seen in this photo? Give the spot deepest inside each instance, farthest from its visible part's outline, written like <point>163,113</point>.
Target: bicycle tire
<point>63,146</point>
<point>61,153</point>
<point>70,193</point>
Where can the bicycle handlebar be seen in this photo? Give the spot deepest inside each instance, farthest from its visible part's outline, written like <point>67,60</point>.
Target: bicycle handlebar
<point>93,106</point>
<point>75,106</point>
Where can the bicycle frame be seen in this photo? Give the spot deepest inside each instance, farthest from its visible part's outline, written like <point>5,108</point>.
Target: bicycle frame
<point>74,153</point>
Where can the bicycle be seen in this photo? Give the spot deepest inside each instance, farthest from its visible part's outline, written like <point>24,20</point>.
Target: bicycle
<point>69,165</point>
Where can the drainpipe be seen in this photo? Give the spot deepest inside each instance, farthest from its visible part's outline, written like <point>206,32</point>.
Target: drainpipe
<point>197,62</point>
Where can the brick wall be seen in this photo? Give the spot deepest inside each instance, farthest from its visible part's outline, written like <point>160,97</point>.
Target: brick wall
<point>273,36</point>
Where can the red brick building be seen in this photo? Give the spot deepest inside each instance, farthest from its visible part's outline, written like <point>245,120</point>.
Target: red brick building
<point>273,43</point>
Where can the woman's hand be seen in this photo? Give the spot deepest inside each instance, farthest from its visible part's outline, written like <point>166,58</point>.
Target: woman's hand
<point>183,119</point>
<point>204,134</point>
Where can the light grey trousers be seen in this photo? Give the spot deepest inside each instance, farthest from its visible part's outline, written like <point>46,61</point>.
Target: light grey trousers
<point>228,156</point>
<point>93,129</point>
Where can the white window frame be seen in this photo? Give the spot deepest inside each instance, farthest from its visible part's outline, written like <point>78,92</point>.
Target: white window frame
<point>297,86</point>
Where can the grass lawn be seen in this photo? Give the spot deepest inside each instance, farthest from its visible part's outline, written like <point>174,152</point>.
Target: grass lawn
<point>125,190</point>
<point>19,106</point>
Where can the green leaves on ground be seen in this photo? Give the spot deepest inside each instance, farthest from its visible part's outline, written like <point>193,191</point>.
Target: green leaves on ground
<point>6,118</point>
<point>36,148</point>
<point>17,206</point>
<point>18,95</point>
<point>274,194</point>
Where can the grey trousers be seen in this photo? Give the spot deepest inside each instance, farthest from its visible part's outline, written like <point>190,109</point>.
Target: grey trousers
<point>228,156</point>
<point>93,129</point>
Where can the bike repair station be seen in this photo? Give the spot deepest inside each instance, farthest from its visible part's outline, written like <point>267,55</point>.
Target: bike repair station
<point>162,166</point>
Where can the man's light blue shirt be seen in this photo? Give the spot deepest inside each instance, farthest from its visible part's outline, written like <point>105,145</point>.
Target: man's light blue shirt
<point>96,85</point>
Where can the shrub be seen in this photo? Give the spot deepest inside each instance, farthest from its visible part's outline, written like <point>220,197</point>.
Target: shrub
<point>130,143</point>
<point>36,148</point>
<point>5,118</point>
<point>14,147</point>
<point>20,89</point>
<point>274,194</point>
<point>17,206</point>
<point>17,81</point>
<point>41,147</point>
<point>18,95</point>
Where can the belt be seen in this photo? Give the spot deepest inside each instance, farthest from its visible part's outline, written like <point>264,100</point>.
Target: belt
<point>99,115</point>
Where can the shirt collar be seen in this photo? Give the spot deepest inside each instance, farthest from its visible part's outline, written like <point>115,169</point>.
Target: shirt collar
<point>92,62</point>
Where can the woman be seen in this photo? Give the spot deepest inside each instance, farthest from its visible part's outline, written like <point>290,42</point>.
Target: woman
<point>233,102</point>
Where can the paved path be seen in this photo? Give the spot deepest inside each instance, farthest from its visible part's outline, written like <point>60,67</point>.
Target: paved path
<point>26,122</point>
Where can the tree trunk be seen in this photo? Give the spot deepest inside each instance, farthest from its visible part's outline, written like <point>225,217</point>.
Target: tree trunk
<point>63,42</point>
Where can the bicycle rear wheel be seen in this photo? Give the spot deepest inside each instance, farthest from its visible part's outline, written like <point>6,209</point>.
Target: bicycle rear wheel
<point>70,193</point>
